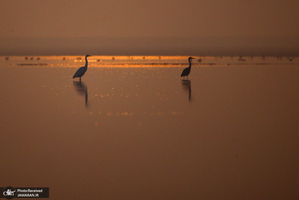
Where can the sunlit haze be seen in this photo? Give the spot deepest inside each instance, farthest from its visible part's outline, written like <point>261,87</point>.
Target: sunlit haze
<point>149,27</point>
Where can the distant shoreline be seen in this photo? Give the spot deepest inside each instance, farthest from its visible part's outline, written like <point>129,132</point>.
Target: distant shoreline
<point>147,61</point>
<point>201,46</point>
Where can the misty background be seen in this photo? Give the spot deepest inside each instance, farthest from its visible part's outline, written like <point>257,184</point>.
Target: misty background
<point>164,27</point>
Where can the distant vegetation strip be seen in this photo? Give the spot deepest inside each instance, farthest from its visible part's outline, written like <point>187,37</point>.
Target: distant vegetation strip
<point>166,64</point>
<point>32,64</point>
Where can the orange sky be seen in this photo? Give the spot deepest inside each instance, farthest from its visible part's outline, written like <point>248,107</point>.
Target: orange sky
<point>143,18</point>
<point>56,18</point>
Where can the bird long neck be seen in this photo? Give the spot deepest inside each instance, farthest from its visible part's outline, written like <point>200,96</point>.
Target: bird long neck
<point>86,62</point>
<point>189,63</point>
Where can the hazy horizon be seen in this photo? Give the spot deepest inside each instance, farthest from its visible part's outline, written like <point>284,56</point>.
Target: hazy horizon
<point>154,27</point>
<point>205,46</point>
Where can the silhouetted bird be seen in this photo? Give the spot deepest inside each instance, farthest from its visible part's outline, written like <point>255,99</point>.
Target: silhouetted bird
<point>187,70</point>
<point>81,71</point>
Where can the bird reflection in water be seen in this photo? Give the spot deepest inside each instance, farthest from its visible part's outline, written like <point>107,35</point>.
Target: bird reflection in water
<point>81,88</point>
<point>187,86</point>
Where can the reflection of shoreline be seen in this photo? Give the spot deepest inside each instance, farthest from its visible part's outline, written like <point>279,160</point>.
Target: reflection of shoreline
<point>32,64</point>
<point>187,86</point>
<point>81,89</point>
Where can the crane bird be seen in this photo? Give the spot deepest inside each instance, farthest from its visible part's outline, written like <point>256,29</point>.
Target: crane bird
<point>81,71</point>
<point>187,70</point>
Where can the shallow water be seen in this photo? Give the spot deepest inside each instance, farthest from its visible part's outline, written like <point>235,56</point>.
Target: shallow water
<point>230,132</point>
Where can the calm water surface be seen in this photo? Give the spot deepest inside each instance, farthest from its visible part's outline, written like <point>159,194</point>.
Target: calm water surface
<point>134,130</point>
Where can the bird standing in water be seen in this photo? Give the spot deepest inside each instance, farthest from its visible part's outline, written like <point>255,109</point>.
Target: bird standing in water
<point>81,71</point>
<point>187,70</point>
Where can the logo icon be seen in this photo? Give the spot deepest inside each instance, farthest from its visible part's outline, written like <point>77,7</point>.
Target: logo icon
<point>9,192</point>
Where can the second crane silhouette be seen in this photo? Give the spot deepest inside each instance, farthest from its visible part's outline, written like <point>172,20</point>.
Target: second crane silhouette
<point>187,70</point>
<point>81,71</point>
